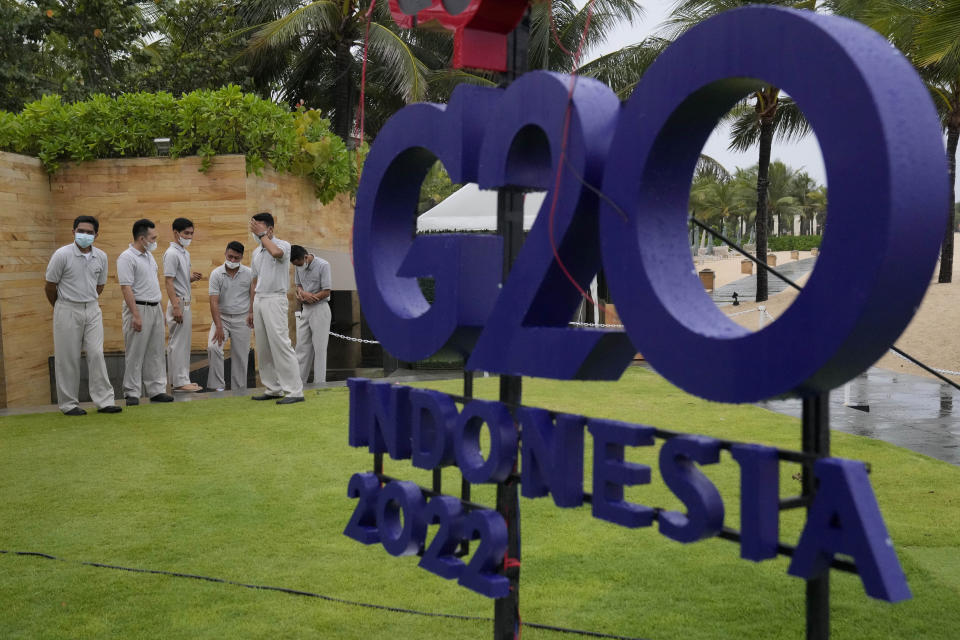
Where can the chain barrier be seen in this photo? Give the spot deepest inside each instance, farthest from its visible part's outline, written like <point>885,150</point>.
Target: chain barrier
<point>947,372</point>
<point>351,339</point>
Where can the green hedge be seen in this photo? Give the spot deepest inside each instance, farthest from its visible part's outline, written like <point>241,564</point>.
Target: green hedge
<point>793,243</point>
<point>204,123</point>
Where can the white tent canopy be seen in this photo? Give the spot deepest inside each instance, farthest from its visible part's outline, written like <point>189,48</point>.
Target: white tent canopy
<point>471,209</point>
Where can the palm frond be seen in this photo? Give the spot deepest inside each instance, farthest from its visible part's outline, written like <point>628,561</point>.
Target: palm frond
<point>710,167</point>
<point>319,16</point>
<point>399,67</point>
<point>621,70</point>
<point>789,124</point>
<point>938,35</point>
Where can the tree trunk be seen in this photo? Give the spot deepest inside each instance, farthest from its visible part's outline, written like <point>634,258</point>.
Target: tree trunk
<point>343,93</point>
<point>763,167</point>
<point>946,252</point>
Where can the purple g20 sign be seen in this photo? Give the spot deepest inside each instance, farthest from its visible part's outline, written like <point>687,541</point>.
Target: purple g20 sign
<point>880,139</point>
<point>888,198</point>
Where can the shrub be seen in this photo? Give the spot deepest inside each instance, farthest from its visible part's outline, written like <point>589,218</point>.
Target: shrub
<point>793,243</point>
<point>204,123</point>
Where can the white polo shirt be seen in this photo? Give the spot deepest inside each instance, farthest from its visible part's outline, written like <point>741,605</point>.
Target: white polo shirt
<point>77,274</point>
<point>233,293</point>
<point>139,270</point>
<point>176,265</point>
<point>272,274</point>
<point>314,276</point>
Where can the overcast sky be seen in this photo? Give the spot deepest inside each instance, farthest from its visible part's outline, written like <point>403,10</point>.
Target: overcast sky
<point>804,154</point>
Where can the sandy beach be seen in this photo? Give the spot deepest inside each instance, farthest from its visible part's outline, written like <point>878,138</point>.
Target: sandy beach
<point>931,337</point>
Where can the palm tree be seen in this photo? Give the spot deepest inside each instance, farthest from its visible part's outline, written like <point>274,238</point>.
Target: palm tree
<point>783,206</point>
<point>928,32</point>
<point>809,200</point>
<point>314,52</point>
<point>765,110</point>
<point>551,44</point>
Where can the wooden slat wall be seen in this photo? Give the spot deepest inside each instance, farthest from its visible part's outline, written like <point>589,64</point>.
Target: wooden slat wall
<point>120,192</point>
<point>37,217</point>
<point>26,243</point>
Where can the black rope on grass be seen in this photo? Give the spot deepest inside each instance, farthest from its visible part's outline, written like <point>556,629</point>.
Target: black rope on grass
<point>310,594</point>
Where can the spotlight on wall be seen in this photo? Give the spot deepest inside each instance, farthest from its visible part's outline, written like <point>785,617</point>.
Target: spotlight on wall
<point>163,146</point>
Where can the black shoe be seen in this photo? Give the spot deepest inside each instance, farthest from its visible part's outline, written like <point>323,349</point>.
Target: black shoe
<point>265,396</point>
<point>162,397</point>
<point>76,411</point>
<point>290,400</point>
<point>111,409</point>
<point>131,401</point>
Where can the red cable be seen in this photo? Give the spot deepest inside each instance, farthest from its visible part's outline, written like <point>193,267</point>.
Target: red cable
<point>363,92</point>
<point>363,77</point>
<point>563,152</point>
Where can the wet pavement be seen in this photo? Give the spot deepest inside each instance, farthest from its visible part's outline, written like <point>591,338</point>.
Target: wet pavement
<point>916,413</point>
<point>746,288</point>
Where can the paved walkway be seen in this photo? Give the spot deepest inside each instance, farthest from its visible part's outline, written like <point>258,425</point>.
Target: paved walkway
<point>916,413</point>
<point>746,288</point>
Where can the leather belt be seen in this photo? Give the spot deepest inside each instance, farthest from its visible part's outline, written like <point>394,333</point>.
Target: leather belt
<point>149,304</point>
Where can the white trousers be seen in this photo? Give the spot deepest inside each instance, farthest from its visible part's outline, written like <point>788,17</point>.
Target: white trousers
<point>144,368</point>
<point>79,327</point>
<point>276,359</point>
<point>235,330</point>
<point>313,332</point>
<point>178,346</point>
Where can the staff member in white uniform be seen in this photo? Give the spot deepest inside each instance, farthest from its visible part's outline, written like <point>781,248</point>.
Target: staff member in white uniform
<point>177,279</point>
<point>231,295</point>
<point>313,282</point>
<point>276,359</point>
<point>137,274</point>
<point>75,277</point>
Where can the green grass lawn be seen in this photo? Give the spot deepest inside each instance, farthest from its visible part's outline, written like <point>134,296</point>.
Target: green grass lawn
<point>256,493</point>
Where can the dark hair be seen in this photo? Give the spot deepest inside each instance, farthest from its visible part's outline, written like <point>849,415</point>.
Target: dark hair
<point>141,226</point>
<point>264,217</point>
<point>297,252</point>
<point>90,219</point>
<point>181,223</point>
<point>235,246</point>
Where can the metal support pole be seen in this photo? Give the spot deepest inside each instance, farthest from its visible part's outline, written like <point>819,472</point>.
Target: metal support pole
<point>816,440</point>
<point>464,485</point>
<point>506,619</point>
<point>510,227</point>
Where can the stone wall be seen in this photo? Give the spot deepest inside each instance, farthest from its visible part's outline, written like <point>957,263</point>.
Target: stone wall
<point>38,212</point>
<point>27,239</point>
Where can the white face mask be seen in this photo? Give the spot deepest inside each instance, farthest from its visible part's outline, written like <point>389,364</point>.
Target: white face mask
<point>152,246</point>
<point>185,242</point>
<point>257,238</point>
<point>232,265</point>
<point>83,240</point>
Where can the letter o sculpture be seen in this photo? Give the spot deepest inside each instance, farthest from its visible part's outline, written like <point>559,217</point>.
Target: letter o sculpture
<point>888,186</point>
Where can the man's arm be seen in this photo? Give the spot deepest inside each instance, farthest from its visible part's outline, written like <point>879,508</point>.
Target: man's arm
<point>127,291</point>
<point>172,297</point>
<point>253,293</point>
<point>217,322</point>
<point>271,247</point>
<point>99,289</point>
<point>50,289</point>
